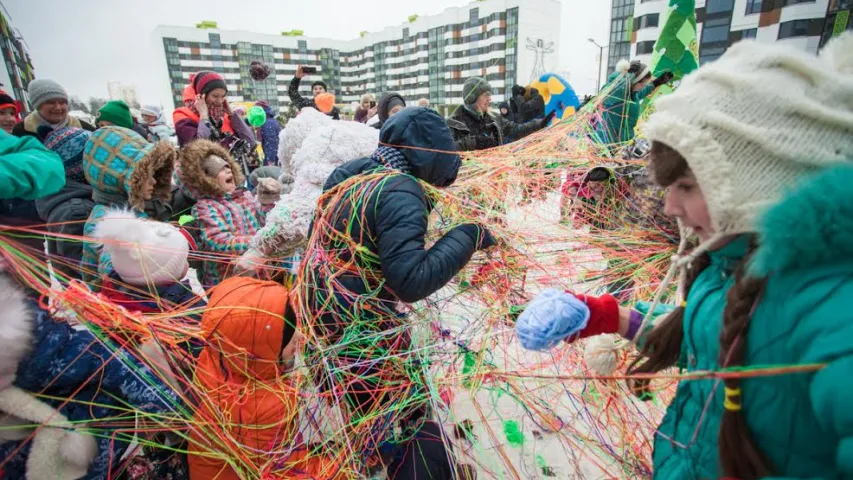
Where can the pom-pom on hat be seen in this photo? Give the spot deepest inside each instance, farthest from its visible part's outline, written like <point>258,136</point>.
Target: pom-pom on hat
<point>325,102</point>
<point>552,316</point>
<point>143,252</point>
<point>206,81</point>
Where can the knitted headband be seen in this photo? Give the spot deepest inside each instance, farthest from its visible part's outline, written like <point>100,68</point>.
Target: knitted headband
<point>206,81</point>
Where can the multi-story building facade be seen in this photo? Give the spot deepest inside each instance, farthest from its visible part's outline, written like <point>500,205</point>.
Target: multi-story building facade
<point>808,24</point>
<point>17,71</point>
<point>505,41</point>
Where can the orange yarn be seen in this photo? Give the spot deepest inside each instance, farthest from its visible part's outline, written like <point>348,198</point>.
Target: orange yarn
<point>325,102</point>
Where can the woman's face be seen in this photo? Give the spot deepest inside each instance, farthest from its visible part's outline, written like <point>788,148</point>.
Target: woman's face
<point>55,110</point>
<point>225,179</point>
<point>149,118</point>
<point>148,189</point>
<point>365,104</point>
<point>684,200</point>
<point>7,119</point>
<point>504,111</point>
<point>216,97</point>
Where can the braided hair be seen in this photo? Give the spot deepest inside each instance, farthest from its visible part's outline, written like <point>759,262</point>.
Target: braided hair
<point>740,456</point>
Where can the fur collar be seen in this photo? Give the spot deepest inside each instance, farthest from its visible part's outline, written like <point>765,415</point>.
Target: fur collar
<point>812,226</point>
<point>191,171</point>
<point>17,325</point>
<point>159,162</point>
<point>33,121</point>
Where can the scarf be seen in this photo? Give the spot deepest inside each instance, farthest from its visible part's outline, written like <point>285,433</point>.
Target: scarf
<point>216,114</point>
<point>392,158</point>
<point>35,120</point>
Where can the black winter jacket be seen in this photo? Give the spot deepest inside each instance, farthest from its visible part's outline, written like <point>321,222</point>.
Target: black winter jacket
<point>301,102</point>
<point>66,213</point>
<point>479,132</point>
<point>533,108</point>
<point>391,223</point>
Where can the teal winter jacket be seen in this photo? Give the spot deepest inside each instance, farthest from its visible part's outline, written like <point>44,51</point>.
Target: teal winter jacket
<point>28,170</point>
<point>802,422</point>
<point>621,109</point>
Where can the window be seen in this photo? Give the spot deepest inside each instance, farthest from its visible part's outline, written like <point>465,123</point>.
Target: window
<point>715,34</point>
<point>645,48</point>
<point>753,6</point>
<point>715,6</point>
<point>750,33</point>
<point>475,15</point>
<point>646,21</point>
<point>800,28</point>
<point>794,2</point>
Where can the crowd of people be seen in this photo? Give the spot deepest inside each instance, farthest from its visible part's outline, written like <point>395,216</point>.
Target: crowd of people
<point>759,183</point>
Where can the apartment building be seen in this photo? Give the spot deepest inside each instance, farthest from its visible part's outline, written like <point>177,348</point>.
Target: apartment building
<point>505,41</point>
<point>808,24</point>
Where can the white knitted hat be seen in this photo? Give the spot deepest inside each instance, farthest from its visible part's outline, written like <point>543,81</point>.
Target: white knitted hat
<point>755,121</point>
<point>143,251</point>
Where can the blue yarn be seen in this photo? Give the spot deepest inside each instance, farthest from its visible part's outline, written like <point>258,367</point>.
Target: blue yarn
<point>551,317</point>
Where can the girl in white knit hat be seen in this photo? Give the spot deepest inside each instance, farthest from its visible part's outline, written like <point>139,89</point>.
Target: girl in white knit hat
<point>756,152</point>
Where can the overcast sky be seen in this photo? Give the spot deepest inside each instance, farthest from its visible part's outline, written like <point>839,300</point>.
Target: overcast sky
<point>83,44</point>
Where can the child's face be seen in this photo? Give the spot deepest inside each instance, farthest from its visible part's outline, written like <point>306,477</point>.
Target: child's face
<point>685,201</point>
<point>148,189</point>
<point>225,179</point>
<point>7,119</point>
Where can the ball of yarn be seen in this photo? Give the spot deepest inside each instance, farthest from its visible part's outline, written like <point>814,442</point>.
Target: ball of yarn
<point>551,317</point>
<point>257,116</point>
<point>601,353</point>
<point>259,71</point>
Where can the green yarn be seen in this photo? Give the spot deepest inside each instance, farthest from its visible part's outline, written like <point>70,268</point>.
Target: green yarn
<point>257,116</point>
<point>513,433</point>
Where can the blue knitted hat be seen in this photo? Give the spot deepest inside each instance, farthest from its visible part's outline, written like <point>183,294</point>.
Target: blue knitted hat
<point>69,143</point>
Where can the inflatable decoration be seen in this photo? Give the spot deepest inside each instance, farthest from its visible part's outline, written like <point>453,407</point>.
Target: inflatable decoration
<point>559,96</point>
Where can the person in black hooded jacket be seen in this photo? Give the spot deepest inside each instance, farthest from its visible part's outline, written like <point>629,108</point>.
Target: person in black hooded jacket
<point>389,104</point>
<point>533,108</point>
<point>365,259</point>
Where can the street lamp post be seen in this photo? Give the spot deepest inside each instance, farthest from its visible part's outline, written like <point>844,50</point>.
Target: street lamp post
<point>600,60</point>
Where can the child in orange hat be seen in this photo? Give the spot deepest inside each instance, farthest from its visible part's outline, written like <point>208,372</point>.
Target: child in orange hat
<point>247,418</point>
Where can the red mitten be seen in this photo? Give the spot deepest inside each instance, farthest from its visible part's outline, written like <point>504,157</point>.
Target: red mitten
<point>603,315</point>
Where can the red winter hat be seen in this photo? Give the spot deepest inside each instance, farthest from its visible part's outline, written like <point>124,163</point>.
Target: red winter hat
<point>205,81</point>
<point>6,101</point>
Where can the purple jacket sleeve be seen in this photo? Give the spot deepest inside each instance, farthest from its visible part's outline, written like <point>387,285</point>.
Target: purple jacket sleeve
<point>188,130</point>
<point>242,130</point>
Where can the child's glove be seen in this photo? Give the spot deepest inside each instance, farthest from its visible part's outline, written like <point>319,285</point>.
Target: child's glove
<point>551,317</point>
<point>554,315</point>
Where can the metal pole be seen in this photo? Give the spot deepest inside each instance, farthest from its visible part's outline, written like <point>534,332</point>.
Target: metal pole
<point>600,60</point>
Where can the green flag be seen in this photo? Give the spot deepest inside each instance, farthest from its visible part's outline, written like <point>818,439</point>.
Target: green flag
<point>677,48</point>
<point>676,51</point>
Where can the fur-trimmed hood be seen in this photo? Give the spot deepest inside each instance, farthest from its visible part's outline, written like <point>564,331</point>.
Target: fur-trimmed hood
<point>812,226</point>
<point>118,161</point>
<point>16,328</point>
<point>191,171</point>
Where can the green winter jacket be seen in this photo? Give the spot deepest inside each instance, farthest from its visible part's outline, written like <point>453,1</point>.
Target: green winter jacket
<point>802,422</point>
<point>28,170</point>
<point>621,109</point>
